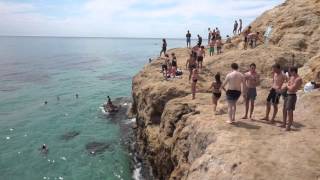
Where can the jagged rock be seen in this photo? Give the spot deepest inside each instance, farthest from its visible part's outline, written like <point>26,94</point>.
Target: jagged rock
<point>94,148</point>
<point>70,135</point>
<point>183,139</point>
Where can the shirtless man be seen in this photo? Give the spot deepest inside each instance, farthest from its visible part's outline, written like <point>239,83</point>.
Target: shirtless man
<point>234,80</point>
<point>201,53</point>
<point>191,63</point>
<point>165,66</point>
<point>253,38</point>
<point>275,92</point>
<point>252,81</point>
<point>290,100</point>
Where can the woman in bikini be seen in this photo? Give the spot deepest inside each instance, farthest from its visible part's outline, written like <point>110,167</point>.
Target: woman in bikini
<point>194,82</point>
<point>174,65</point>
<point>216,93</point>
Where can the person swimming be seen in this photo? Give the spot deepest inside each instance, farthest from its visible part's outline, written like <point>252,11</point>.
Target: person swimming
<point>44,149</point>
<point>46,102</point>
<point>77,96</point>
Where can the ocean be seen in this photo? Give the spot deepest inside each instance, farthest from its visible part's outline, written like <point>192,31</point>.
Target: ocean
<point>83,142</point>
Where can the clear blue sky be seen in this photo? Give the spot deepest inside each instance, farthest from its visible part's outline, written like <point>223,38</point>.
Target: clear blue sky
<point>125,18</point>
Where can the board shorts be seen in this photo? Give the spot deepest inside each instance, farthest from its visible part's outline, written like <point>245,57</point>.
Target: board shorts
<point>188,40</point>
<point>246,39</point>
<point>211,49</point>
<point>273,96</point>
<point>216,95</point>
<point>251,94</point>
<point>233,95</point>
<point>290,102</point>
<point>164,67</point>
<point>192,66</point>
<point>200,59</point>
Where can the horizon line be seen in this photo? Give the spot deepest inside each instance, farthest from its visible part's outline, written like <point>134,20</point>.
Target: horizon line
<point>106,37</point>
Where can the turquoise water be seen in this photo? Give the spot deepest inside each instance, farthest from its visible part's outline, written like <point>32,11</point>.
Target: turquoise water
<point>38,69</point>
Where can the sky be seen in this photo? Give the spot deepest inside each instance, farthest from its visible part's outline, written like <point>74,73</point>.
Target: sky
<point>125,18</point>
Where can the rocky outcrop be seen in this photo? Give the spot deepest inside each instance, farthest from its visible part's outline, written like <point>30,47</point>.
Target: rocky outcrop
<point>183,139</point>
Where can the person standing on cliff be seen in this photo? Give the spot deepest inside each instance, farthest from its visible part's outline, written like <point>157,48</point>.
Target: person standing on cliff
<point>191,64</point>
<point>194,82</point>
<point>275,92</point>
<point>165,66</point>
<point>252,81</point>
<point>188,36</point>
<point>164,47</point>
<point>174,65</point>
<point>294,84</point>
<point>199,40</point>
<point>201,53</point>
<point>235,80</point>
<point>246,37</point>
<point>235,27</point>
<point>240,27</point>
<point>216,92</point>
<point>209,35</point>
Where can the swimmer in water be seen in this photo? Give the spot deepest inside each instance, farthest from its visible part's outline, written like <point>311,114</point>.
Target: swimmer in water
<point>44,149</point>
<point>77,96</point>
<point>46,102</point>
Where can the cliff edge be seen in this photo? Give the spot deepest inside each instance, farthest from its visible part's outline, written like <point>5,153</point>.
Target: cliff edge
<point>183,139</point>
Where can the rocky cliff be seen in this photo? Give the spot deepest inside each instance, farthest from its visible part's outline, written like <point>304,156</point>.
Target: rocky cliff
<point>183,139</point>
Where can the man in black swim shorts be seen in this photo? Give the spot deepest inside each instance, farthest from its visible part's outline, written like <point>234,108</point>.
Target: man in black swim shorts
<point>235,80</point>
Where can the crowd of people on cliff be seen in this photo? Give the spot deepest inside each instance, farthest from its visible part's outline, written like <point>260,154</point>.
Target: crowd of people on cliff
<point>237,83</point>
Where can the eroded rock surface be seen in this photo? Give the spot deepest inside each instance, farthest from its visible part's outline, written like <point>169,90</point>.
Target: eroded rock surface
<point>183,139</point>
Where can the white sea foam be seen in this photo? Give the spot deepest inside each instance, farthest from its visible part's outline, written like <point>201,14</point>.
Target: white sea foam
<point>8,137</point>
<point>137,174</point>
<point>103,111</point>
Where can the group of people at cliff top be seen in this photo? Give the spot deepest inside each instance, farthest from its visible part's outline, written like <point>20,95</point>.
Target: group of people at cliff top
<point>214,41</point>
<point>169,66</point>
<point>246,84</point>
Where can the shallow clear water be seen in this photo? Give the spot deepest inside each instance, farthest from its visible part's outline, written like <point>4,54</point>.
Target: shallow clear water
<point>38,69</point>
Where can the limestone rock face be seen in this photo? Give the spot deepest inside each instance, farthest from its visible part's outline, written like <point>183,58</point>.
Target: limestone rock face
<point>181,138</point>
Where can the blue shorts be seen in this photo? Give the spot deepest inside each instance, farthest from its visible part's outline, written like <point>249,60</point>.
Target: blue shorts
<point>251,94</point>
<point>188,39</point>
